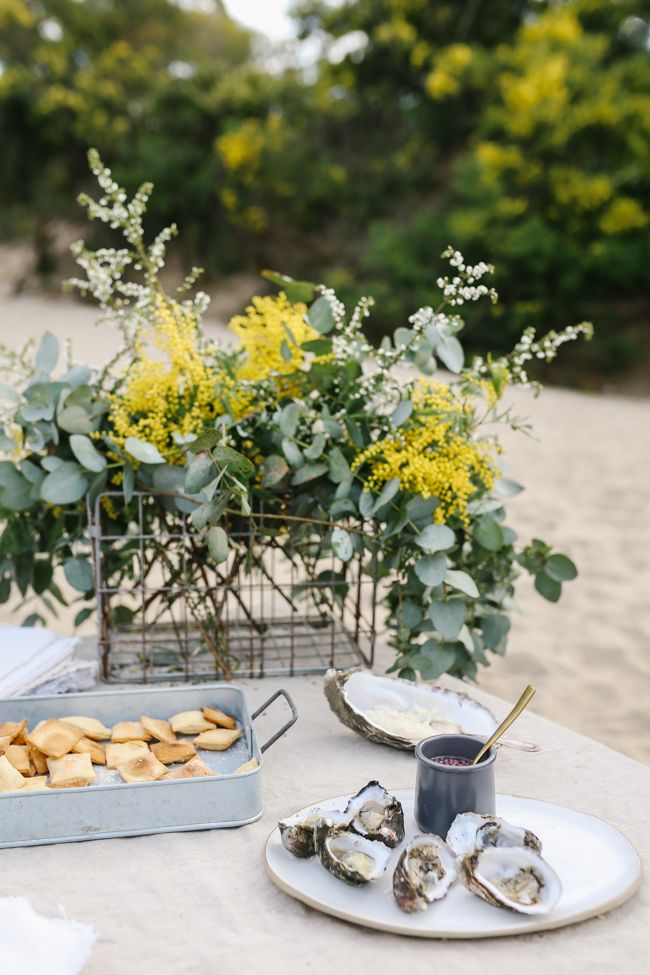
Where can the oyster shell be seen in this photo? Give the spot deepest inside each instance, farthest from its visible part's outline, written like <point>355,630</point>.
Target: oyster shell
<point>352,694</point>
<point>424,873</point>
<point>470,832</point>
<point>376,814</point>
<point>349,857</point>
<point>297,833</point>
<point>512,877</point>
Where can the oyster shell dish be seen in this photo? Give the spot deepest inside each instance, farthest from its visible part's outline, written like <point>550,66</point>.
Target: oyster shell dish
<point>399,713</point>
<point>498,862</point>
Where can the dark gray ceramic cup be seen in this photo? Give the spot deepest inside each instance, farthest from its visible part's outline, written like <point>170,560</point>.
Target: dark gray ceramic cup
<point>444,791</point>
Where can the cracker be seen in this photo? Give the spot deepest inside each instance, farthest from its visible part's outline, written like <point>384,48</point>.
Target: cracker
<point>221,719</point>
<point>117,754</point>
<point>162,730</point>
<point>194,769</point>
<point>92,748</point>
<point>19,758</point>
<point>5,741</point>
<point>13,730</point>
<point>71,771</point>
<point>55,738</point>
<point>35,784</point>
<point>142,768</point>
<point>169,752</point>
<point>219,739</point>
<point>91,727</point>
<point>190,723</point>
<point>129,731</point>
<point>38,759</point>
<point>10,779</point>
<point>248,766</point>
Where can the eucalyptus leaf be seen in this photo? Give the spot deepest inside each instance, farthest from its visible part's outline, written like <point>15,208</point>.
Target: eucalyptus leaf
<point>50,463</point>
<point>495,629</point>
<point>292,452</point>
<point>436,538</point>
<point>386,494</point>
<point>47,354</point>
<point>342,544</point>
<point>77,376</point>
<point>145,452</point>
<point>200,472</point>
<point>86,453</point>
<point>463,582</point>
<point>489,534</point>
<point>65,485</point>
<point>431,569</point>
<point>79,573</point>
<point>366,504</point>
<point>275,469</point>
<point>450,352</point>
<point>437,657</point>
<point>548,587</point>
<point>560,568</point>
<point>128,481</point>
<point>320,315</point>
<point>309,472</point>
<point>448,617</point>
<point>9,394</point>
<point>339,467</point>
<point>401,413</point>
<point>506,488</point>
<point>217,543</point>
<point>289,418</point>
<point>316,447</point>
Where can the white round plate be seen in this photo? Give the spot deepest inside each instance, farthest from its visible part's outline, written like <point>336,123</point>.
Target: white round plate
<point>598,867</point>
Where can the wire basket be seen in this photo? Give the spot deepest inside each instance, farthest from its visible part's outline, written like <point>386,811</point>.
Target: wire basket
<point>281,604</point>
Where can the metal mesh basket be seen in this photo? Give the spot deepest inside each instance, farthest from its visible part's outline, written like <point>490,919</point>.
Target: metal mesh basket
<point>281,604</point>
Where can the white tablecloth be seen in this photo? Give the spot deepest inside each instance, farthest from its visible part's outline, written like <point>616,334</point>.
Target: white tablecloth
<point>201,902</point>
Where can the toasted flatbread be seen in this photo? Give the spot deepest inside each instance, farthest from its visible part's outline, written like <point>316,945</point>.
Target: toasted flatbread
<point>71,771</point>
<point>13,730</point>
<point>218,740</point>
<point>162,730</point>
<point>18,755</point>
<point>38,759</point>
<point>248,766</point>
<point>221,719</point>
<point>92,748</point>
<point>5,741</point>
<point>190,723</point>
<point>129,731</point>
<point>35,784</point>
<point>116,754</point>
<point>142,768</point>
<point>10,778</point>
<point>91,727</point>
<point>54,738</point>
<point>169,752</point>
<point>195,768</point>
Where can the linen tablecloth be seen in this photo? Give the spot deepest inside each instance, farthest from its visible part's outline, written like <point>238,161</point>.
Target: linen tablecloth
<point>181,903</point>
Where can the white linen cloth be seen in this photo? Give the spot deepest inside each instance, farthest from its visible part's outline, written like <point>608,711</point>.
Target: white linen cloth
<point>31,944</point>
<point>28,655</point>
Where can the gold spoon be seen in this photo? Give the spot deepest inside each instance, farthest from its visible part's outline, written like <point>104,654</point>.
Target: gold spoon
<point>507,721</point>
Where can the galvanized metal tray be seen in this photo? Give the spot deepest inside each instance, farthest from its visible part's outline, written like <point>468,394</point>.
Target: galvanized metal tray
<point>111,807</point>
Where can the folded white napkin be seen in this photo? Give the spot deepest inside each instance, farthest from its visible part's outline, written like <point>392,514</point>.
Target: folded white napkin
<point>28,654</point>
<point>31,944</point>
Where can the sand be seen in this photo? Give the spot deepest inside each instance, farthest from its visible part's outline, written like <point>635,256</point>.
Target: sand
<point>587,478</point>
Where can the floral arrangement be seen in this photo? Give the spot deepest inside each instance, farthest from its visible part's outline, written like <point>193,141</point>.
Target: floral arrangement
<point>302,416</point>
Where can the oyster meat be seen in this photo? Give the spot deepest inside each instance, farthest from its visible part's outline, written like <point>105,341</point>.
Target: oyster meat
<point>377,815</point>
<point>383,709</point>
<point>470,832</point>
<point>512,877</point>
<point>424,873</point>
<point>349,857</point>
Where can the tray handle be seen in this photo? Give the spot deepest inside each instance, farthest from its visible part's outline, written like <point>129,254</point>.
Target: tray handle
<point>285,727</point>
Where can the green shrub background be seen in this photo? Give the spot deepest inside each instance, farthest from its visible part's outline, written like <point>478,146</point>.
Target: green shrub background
<point>518,130</point>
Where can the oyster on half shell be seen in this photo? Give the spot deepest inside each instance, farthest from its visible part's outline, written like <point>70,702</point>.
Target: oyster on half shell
<point>512,877</point>
<point>424,873</point>
<point>297,832</point>
<point>357,696</point>
<point>377,815</point>
<point>470,832</point>
<point>349,857</point>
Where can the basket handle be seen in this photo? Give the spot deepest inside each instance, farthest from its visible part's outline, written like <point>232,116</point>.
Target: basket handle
<point>285,727</point>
